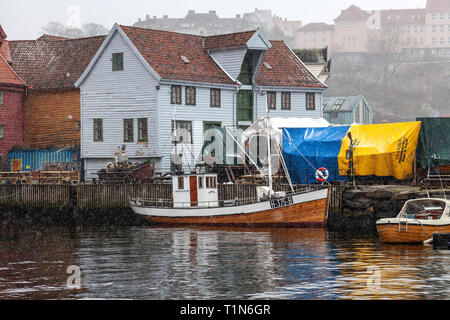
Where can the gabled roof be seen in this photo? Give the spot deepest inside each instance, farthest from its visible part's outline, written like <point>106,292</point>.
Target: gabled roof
<point>162,50</point>
<point>53,64</point>
<point>176,56</point>
<point>287,69</point>
<point>352,13</point>
<point>238,39</point>
<point>8,76</point>
<point>342,103</point>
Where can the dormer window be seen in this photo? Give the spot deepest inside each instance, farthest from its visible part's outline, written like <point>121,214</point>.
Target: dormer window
<point>185,60</point>
<point>117,61</point>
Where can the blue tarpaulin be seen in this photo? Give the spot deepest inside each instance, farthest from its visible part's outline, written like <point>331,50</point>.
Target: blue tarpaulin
<point>307,149</point>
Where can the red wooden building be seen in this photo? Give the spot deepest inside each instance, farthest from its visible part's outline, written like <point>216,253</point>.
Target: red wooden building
<point>12,99</point>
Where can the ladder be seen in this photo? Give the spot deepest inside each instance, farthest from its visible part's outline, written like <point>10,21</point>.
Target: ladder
<point>403,225</point>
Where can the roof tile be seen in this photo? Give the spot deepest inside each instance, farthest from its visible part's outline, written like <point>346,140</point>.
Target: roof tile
<point>53,64</point>
<point>162,51</point>
<point>7,74</point>
<point>287,69</point>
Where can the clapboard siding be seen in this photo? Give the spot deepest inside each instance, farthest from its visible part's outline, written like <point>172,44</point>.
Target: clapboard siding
<point>298,106</point>
<point>256,42</point>
<point>51,119</point>
<point>230,60</point>
<point>339,117</point>
<point>198,114</point>
<point>114,96</point>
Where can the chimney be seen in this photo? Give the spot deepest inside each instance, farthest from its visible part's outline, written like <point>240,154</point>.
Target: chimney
<point>212,11</point>
<point>191,11</point>
<point>165,16</point>
<point>238,16</point>
<point>147,17</point>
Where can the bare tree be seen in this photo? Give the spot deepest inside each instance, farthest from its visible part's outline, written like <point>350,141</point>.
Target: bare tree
<point>93,29</point>
<point>87,30</point>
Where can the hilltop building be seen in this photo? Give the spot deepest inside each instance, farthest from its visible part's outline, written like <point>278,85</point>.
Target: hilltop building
<point>357,31</point>
<point>207,24</point>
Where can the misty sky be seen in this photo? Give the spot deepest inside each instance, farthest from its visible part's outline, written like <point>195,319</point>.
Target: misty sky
<point>23,19</point>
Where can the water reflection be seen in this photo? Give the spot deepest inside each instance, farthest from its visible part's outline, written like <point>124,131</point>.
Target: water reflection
<point>217,263</point>
<point>33,263</point>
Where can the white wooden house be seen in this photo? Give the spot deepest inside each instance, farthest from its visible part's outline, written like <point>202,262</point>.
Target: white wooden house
<point>140,80</point>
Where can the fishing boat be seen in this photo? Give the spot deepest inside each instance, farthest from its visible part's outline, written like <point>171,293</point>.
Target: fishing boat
<point>195,201</point>
<point>416,222</point>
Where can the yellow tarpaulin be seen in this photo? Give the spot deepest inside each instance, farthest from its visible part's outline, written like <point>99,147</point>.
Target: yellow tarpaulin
<point>382,149</point>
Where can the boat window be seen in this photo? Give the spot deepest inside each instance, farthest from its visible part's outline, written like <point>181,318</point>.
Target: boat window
<point>211,182</point>
<point>425,210</point>
<point>180,183</point>
<point>200,182</point>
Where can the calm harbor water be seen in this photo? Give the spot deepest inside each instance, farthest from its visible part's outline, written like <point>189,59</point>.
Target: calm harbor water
<point>210,263</point>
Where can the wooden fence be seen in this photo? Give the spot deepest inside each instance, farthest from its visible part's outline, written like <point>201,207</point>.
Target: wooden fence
<point>35,195</point>
<point>113,196</point>
<point>119,195</point>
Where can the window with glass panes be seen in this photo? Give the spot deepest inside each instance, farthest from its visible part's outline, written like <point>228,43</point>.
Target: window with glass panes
<point>190,96</point>
<point>310,101</point>
<point>128,130</point>
<point>117,61</point>
<point>286,100</point>
<point>271,100</point>
<point>143,130</point>
<point>98,129</point>
<point>175,94</point>
<point>215,97</point>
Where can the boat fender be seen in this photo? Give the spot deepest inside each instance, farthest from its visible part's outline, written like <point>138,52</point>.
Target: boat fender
<point>322,174</point>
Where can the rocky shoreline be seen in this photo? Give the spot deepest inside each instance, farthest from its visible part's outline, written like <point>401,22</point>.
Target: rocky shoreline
<point>362,206</point>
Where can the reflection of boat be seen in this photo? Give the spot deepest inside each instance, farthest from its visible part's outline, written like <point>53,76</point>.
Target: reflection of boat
<point>417,221</point>
<point>195,200</point>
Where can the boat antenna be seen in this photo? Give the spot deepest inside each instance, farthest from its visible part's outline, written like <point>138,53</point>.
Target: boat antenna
<point>269,155</point>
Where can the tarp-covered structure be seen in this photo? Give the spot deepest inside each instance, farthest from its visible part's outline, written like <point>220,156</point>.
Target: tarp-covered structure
<point>384,150</point>
<point>307,149</point>
<point>434,143</point>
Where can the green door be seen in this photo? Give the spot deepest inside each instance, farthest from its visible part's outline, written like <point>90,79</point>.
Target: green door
<point>244,106</point>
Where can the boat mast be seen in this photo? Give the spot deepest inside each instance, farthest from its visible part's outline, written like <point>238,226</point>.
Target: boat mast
<point>175,140</point>
<point>269,160</point>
